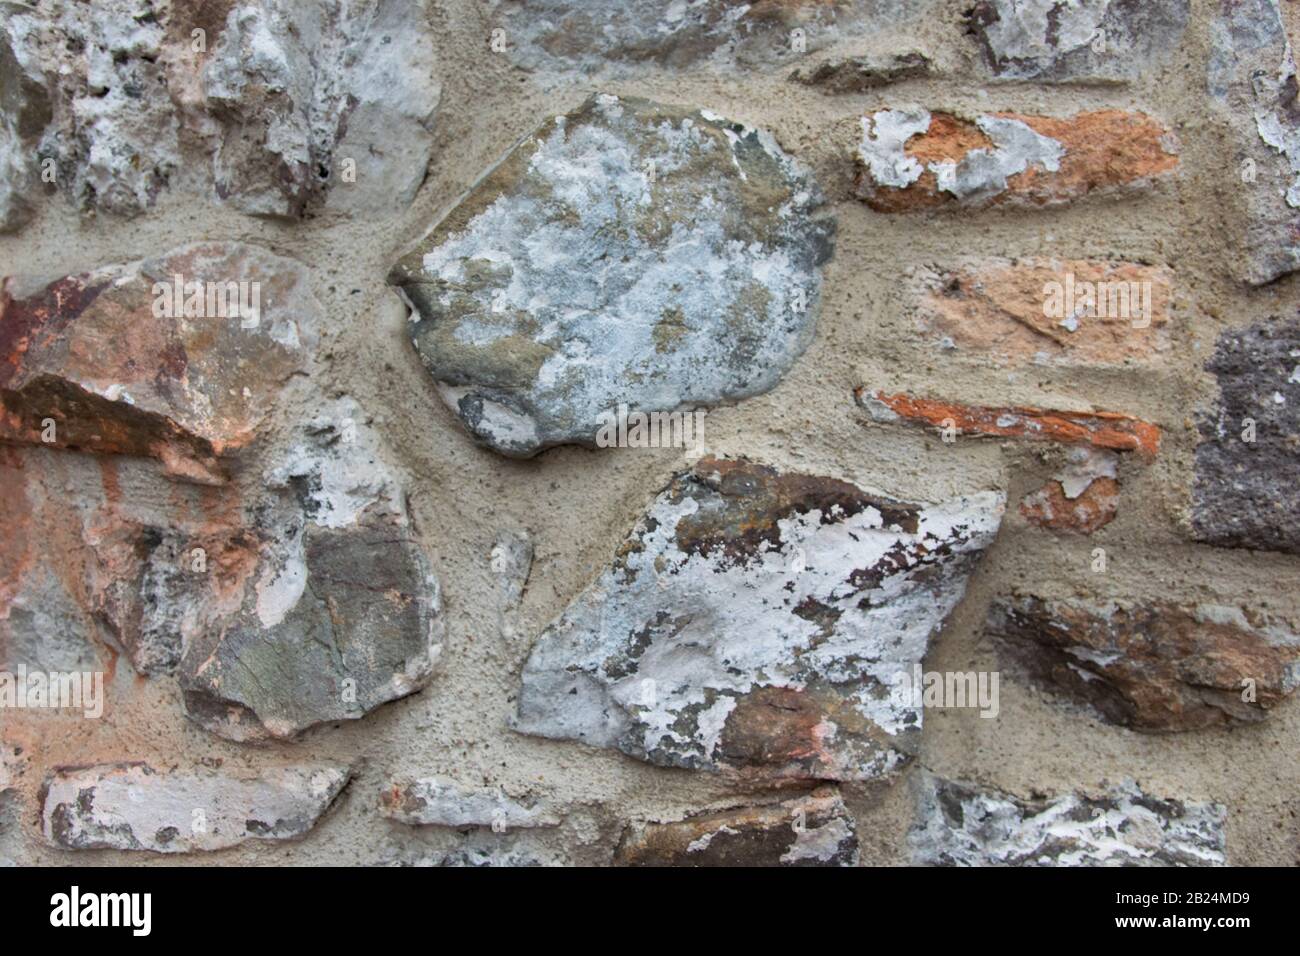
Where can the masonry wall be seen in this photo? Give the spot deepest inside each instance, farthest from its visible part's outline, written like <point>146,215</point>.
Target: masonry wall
<point>414,636</point>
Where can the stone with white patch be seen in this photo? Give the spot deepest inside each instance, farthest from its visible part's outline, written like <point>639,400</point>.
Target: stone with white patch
<point>757,623</point>
<point>626,252</point>
<point>136,807</point>
<point>428,801</point>
<point>961,824</point>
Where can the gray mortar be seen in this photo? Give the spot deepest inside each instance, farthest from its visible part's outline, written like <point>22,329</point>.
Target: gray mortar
<point>578,504</point>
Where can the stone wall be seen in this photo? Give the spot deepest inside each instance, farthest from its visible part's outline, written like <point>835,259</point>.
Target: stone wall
<point>650,433</point>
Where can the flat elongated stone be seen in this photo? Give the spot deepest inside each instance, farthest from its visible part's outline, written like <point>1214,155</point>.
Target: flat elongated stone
<point>1105,41</point>
<point>1069,312</point>
<point>1252,80</point>
<point>1244,494</point>
<point>124,360</point>
<point>1153,667</point>
<point>342,613</point>
<point>620,36</point>
<point>857,74</point>
<point>431,802</point>
<point>912,159</point>
<point>815,830</point>
<point>135,807</point>
<point>624,253</point>
<point>754,622</point>
<point>1098,429</point>
<point>966,825</point>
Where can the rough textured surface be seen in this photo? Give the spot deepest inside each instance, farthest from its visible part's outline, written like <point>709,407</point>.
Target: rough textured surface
<point>343,613</point>
<point>430,802</point>
<point>112,362</point>
<point>1252,79</point>
<point>815,830</point>
<point>1016,313</point>
<point>624,36</point>
<point>1098,429</point>
<point>260,109</point>
<point>680,248</point>
<point>24,111</point>
<point>1249,454</point>
<point>1083,497</point>
<point>1102,41</point>
<point>135,807</point>
<point>858,74</point>
<point>755,622</point>
<point>1153,667</point>
<point>910,159</point>
<point>965,825</point>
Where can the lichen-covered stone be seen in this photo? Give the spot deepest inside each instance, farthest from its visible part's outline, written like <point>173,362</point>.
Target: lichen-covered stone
<point>626,252</point>
<point>136,807</point>
<point>1153,667</point>
<point>755,622</point>
<point>1103,41</point>
<point>593,37</point>
<point>961,824</point>
<point>24,112</point>
<point>1252,79</point>
<point>911,159</point>
<point>1244,494</point>
<point>815,830</point>
<point>431,802</point>
<point>342,613</point>
<point>115,362</point>
<point>259,103</point>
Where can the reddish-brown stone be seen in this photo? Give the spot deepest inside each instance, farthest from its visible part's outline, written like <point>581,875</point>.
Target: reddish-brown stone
<point>1094,508</point>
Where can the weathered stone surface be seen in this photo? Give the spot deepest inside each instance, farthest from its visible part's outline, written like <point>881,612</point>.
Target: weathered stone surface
<point>24,112</point>
<point>135,807</point>
<point>342,613</point>
<point>600,36</point>
<point>1054,41</point>
<point>292,92</point>
<point>815,830</point>
<point>1082,498</point>
<point>262,106</point>
<point>624,253</point>
<point>1244,495</point>
<point>1252,79</point>
<point>512,560</point>
<point>431,802</point>
<point>1068,312</point>
<point>754,622</point>
<point>857,74</point>
<point>965,825</point>
<point>912,159</point>
<point>113,362</point>
<point>1098,429</point>
<point>1153,667</point>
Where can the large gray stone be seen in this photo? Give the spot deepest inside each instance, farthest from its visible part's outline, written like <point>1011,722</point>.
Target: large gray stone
<point>340,613</point>
<point>758,623</point>
<point>1104,41</point>
<point>626,252</point>
<point>135,807</point>
<point>962,824</point>
<point>1244,495</point>
<point>1252,79</point>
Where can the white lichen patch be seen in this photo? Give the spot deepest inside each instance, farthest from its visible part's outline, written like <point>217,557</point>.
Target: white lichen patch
<point>134,807</point>
<point>961,825</point>
<point>669,653</point>
<point>428,801</point>
<point>624,253</point>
